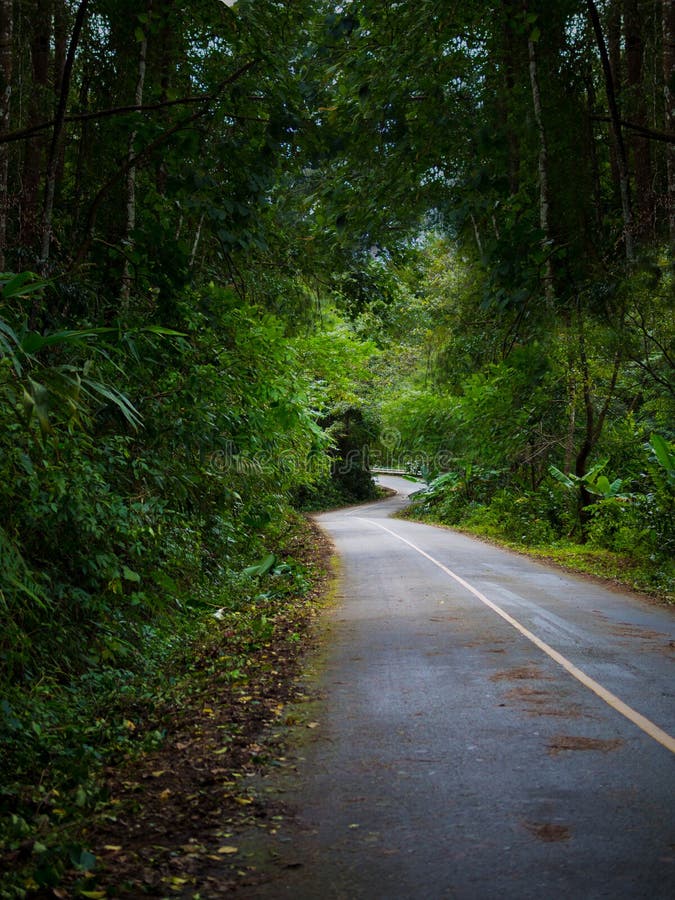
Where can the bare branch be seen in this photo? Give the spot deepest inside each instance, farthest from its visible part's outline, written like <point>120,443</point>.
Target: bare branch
<point>664,136</point>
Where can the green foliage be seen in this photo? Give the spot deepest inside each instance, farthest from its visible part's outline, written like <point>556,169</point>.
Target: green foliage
<point>130,513</point>
<point>593,480</point>
<point>664,456</point>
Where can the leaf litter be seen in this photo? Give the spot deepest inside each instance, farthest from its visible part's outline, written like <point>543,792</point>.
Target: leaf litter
<point>171,824</point>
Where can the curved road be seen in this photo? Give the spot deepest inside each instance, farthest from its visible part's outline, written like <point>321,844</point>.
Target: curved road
<point>489,727</point>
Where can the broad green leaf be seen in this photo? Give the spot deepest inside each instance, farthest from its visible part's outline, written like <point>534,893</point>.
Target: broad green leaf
<point>22,284</point>
<point>261,568</point>
<point>603,486</point>
<point>663,453</point>
<point>561,477</point>
<point>589,477</point>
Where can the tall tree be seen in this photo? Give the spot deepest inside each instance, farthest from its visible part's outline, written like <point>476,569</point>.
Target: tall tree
<point>617,132</point>
<point>39,109</point>
<point>636,111</point>
<point>6,67</point>
<point>668,29</point>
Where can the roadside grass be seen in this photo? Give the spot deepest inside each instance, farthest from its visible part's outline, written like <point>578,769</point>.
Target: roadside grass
<point>100,789</point>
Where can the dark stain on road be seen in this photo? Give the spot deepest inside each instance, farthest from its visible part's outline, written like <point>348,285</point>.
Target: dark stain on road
<point>563,742</point>
<point>541,703</point>
<point>548,832</point>
<point>520,673</point>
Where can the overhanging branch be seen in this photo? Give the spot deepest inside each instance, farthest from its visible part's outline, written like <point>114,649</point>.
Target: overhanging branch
<point>651,133</point>
<point>26,133</point>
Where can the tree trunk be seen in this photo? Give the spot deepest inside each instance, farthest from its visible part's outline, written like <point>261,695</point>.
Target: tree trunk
<point>60,45</point>
<point>592,150</point>
<point>125,289</point>
<point>636,111</point>
<point>195,243</point>
<point>61,19</point>
<point>614,56</point>
<point>510,61</point>
<point>38,109</point>
<point>167,63</point>
<point>668,21</point>
<point>544,200</point>
<point>6,63</point>
<point>594,423</point>
<point>57,135</point>
<point>616,133</point>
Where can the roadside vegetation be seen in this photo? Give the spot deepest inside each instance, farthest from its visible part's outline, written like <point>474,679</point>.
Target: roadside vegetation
<point>246,251</point>
<point>498,439</point>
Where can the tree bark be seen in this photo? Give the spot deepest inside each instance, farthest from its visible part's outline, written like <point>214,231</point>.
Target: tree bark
<point>593,158</point>
<point>6,65</point>
<point>636,110</point>
<point>125,289</point>
<point>617,135</point>
<point>34,153</point>
<point>544,197</point>
<point>57,135</point>
<point>614,56</point>
<point>510,59</point>
<point>668,26</point>
<point>195,243</point>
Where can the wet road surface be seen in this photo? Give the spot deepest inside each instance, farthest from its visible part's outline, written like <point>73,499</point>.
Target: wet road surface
<point>489,727</point>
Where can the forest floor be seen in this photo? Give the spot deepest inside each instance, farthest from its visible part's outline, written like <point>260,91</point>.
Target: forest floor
<point>171,824</point>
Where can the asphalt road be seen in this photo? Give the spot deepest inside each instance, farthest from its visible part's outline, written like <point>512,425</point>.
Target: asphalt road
<point>489,727</point>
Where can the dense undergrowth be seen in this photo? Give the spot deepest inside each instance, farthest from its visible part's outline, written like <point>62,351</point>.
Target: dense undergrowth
<point>66,746</point>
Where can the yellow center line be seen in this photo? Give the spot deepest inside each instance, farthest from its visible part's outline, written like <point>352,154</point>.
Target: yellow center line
<point>658,734</point>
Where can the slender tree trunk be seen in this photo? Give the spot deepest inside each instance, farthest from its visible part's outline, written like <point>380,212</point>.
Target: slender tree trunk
<point>594,422</point>
<point>510,61</point>
<point>60,45</point>
<point>544,197</point>
<point>60,55</point>
<point>616,133</point>
<point>476,234</point>
<point>6,65</point>
<point>167,62</point>
<point>131,175</point>
<point>636,111</point>
<point>668,22</point>
<point>195,243</point>
<point>593,158</point>
<point>614,56</point>
<point>83,147</point>
<point>571,425</point>
<point>34,152</point>
<point>588,442</point>
<point>57,135</point>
